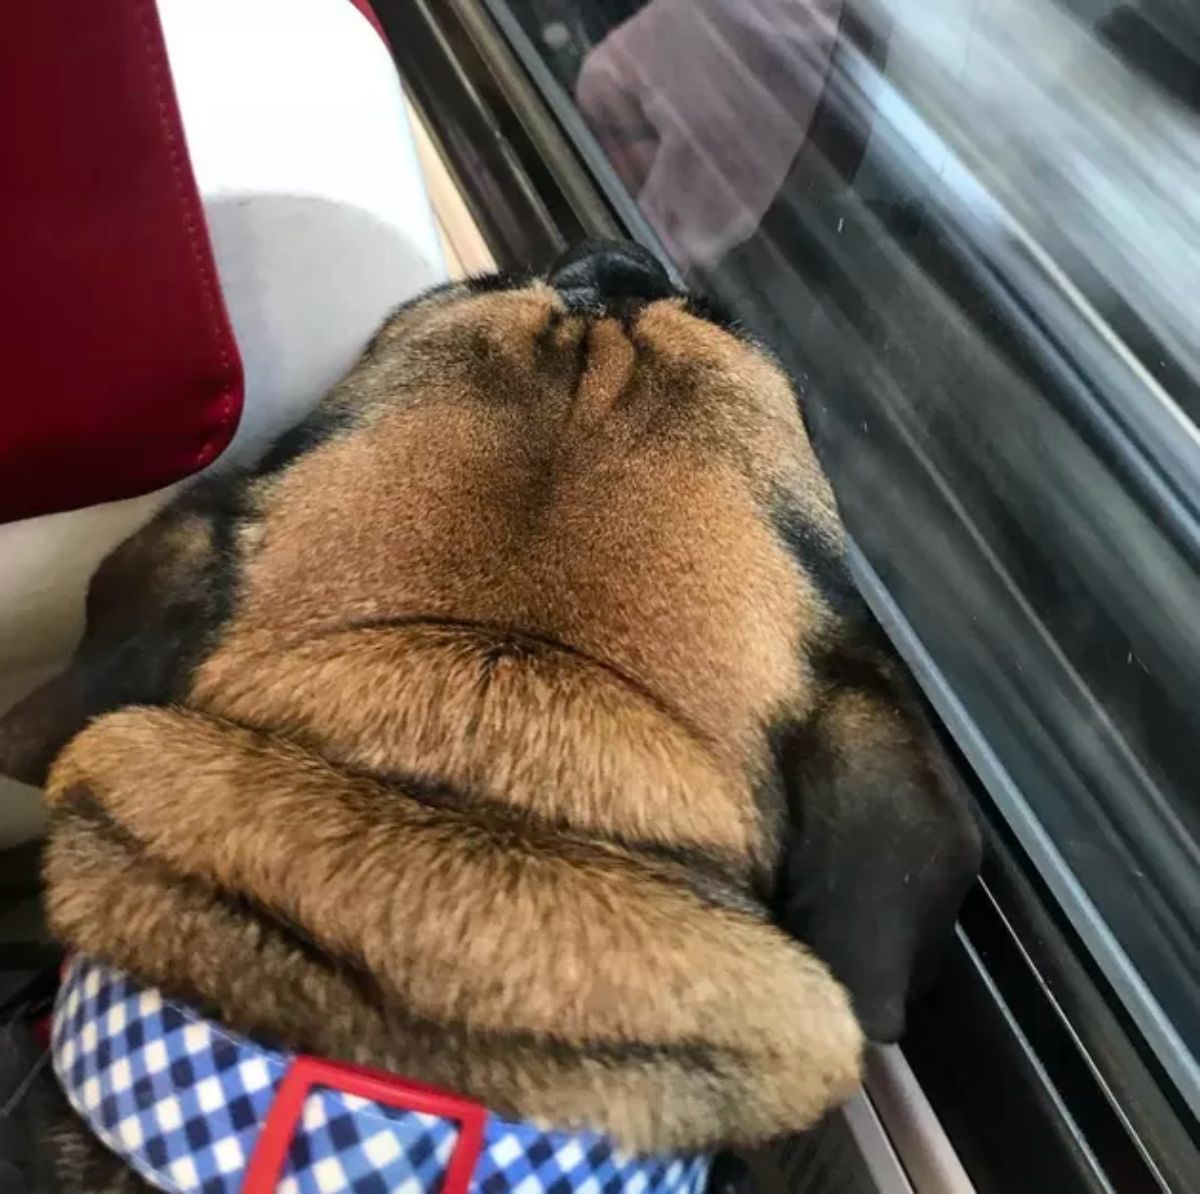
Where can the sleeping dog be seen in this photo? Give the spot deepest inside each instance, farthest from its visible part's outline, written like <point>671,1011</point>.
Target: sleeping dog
<point>513,727</point>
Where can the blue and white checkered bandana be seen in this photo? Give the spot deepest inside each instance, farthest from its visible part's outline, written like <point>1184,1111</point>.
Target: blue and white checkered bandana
<point>184,1102</point>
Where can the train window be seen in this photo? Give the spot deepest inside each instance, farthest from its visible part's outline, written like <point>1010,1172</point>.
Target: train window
<point>971,231</point>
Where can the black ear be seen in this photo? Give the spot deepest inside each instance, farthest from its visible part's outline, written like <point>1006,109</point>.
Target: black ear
<point>153,608</point>
<point>883,842</point>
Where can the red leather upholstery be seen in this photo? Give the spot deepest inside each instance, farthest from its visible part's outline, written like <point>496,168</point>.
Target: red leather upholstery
<point>120,373</point>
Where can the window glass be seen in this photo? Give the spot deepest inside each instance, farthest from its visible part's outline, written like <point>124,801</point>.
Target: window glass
<point>971,230</point>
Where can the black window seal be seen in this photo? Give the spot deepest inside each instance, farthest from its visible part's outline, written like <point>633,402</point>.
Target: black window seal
<point>455,86</point>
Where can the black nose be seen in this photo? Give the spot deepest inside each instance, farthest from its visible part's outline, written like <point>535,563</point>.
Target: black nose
<point>598,273</point>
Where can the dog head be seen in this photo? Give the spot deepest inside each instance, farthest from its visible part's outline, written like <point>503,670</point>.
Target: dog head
<point>562,542</point>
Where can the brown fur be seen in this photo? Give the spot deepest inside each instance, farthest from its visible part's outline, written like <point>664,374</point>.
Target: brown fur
<point>471,770</point>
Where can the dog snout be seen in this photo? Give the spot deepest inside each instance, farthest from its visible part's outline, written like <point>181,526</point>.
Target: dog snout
<point>600,274</point>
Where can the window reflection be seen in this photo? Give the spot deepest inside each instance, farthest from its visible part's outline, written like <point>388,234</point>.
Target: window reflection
<point>702,106</point>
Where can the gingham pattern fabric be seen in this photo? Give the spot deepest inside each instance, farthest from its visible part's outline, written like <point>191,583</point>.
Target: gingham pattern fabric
<point>183,1101</point>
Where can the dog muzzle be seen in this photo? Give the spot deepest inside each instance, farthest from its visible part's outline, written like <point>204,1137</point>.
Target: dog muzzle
<point>192,1106</point>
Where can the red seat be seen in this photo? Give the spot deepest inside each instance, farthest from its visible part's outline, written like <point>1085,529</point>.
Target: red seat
<point>121,370</point>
